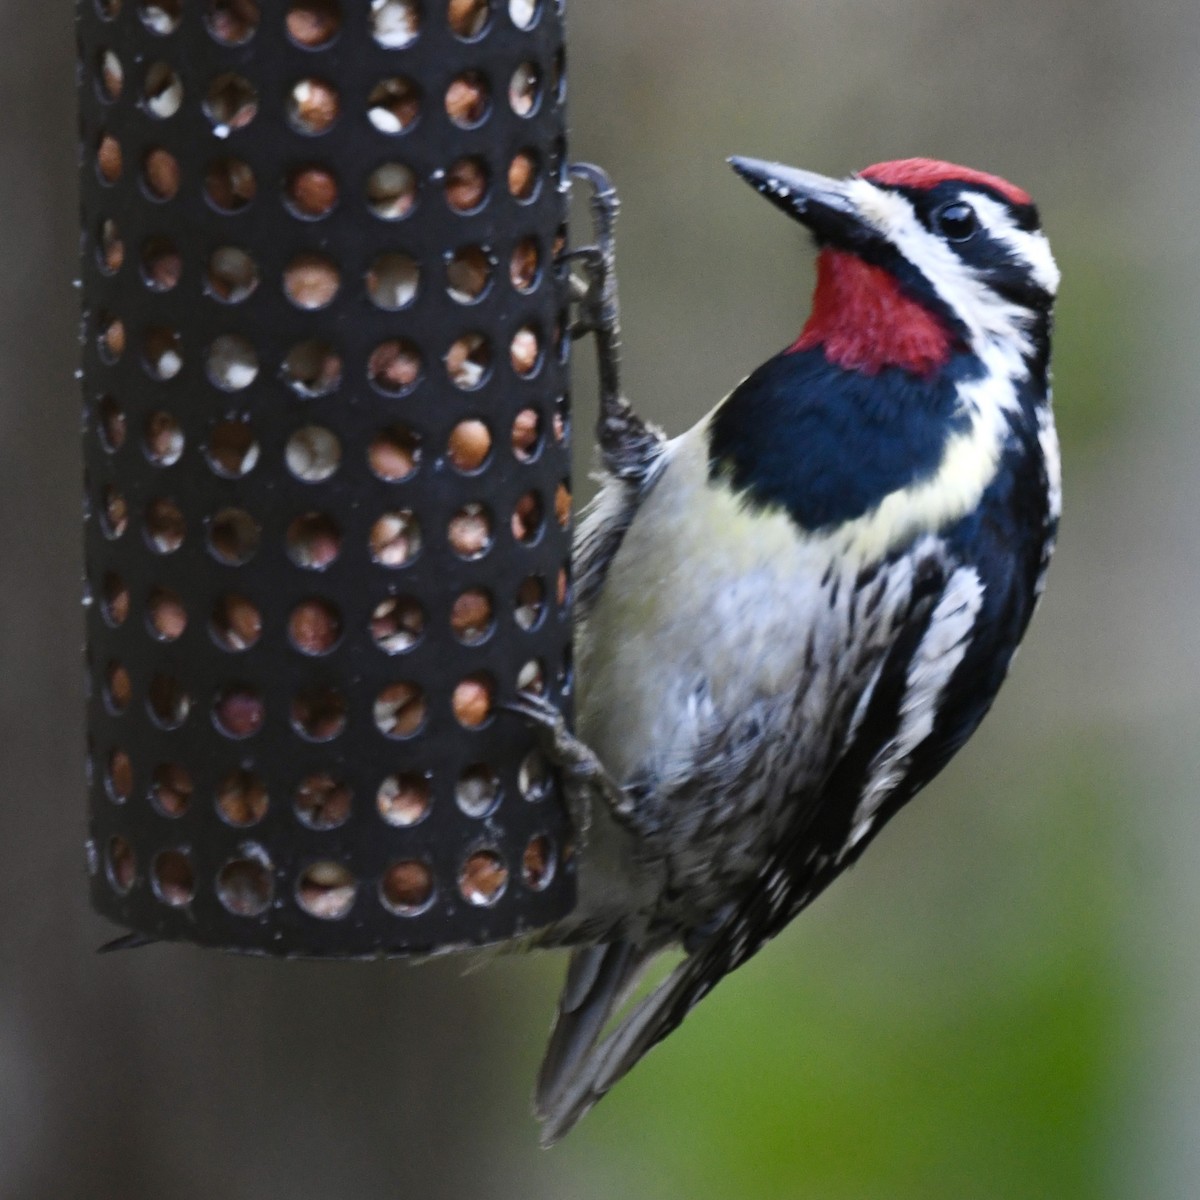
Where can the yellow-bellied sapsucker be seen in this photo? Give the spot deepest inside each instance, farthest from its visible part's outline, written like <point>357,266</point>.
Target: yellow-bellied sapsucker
<point>791,616</point>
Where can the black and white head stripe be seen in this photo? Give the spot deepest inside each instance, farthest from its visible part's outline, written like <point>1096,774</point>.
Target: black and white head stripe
<point>967,244</point>
<point>972,250</point>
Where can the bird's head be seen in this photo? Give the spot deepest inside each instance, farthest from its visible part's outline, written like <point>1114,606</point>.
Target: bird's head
<point>918,259</point>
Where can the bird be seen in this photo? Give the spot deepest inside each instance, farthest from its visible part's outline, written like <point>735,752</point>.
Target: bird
<point>790,617</point>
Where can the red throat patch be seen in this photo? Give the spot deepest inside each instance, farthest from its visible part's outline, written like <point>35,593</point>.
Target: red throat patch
<point>864,322</point>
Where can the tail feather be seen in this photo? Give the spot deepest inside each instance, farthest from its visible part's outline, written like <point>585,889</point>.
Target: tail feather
<point>584,1081</point>
<point>598,980</point>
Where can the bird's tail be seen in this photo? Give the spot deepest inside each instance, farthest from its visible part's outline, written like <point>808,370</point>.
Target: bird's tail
<point>599,978</point>
<point>578,1068</point>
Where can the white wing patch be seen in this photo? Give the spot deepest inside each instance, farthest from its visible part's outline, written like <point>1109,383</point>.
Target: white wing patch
<point>938,656</point>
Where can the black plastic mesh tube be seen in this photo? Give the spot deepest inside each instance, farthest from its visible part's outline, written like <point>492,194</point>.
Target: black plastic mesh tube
<point>327,469</point>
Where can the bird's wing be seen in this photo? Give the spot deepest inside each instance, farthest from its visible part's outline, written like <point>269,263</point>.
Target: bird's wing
<point>886,759</point>
<point>606,520</point>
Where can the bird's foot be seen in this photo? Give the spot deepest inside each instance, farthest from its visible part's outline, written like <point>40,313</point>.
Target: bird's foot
<point>578,762</point>
<point>595,291</point>
<point>627,443</point>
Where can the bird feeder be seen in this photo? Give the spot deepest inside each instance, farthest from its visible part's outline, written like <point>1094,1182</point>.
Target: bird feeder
<point>327,469</point>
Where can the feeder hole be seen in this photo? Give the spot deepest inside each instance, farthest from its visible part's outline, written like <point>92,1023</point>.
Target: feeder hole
<point>162,439</point>
<point>168,701</point>
<point>319,713</point>
<point>394,453</point>
<point>395,539</point>
<point>231,103</point>
<point>403,800</point>
<point>524,89</point>
<point>314,627</point>
<point>313,541</point>
<point>525,265</point>
<point>392,281</point>
<point>115,518</point>
<point>530,604</point>
<point>111,75</point>
<point>400,710</point>
<point>469,447</point>
<point>119,777</point>
<point>230,185</point>
<point>111,247</point>
<point>470,531</point>
<point>467,100</point>
<point>162,264</point>
<point>162,353</point>
<point>472,701</point>
<point>161,16</point>
<point>322,802</point>
<point>238,710</point>
<point>162,94</point>
<point>118,688</point>
<point>232,275</point>
<point>245,886</point>
<point>312,368</point>
<point>468,361</point>
<point>121,865</point>
<point>233,536</point>
<point>242,799</point>
<point>397,624</point>
<point>173,878</point>
<point>395,366</point>
<point>236,623</point>
<point>313,24</point>
<point>171,790</point>
<point>394,104</point>
<point>232,449</point>
<point>165,526</point>
<point>527,434</point>
<point>311,281</point>
<point>472,617</point>
<point>161,174</point>
<point>166,614</point>
<point>232,22</point>
<point>109,159</point>
<point>477,792</point>
<point>313,454</point>
<point>407,887</point>
<point>525,352</point>
<point>533,777</point>
<point>312,191</point>
<point>326,890</point>
<point>395,23</point>
<point>115,602</point>
<point>523,176</point>
<point>313,106</point>
<point>391,191</point>
<point>466,185</point>
<point>468,18</point>
<point>483,878</point>
<point>527,518</point>
<point>537,864</point>
<point>468,274</point>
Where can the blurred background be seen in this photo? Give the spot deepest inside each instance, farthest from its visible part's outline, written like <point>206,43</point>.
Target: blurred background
<point>1003,1000</point>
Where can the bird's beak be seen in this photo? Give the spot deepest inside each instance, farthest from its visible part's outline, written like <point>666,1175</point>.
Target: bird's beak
<point>821,203</point>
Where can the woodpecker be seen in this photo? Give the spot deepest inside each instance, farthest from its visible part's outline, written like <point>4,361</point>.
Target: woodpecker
<point>790,617</point>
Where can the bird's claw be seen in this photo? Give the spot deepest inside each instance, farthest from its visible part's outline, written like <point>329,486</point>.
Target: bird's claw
<point>573,757</point>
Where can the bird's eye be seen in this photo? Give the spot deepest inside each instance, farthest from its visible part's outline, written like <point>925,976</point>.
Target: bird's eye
<point>957,221</point>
